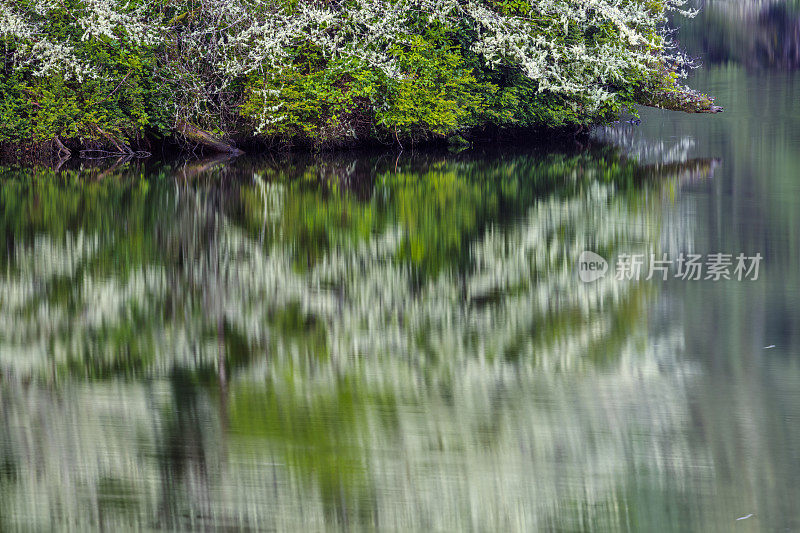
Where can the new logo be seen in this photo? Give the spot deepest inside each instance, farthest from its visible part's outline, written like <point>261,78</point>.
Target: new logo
<point>591,267</point>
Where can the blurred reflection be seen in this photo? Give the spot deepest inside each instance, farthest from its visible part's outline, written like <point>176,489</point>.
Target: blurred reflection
<point>401,343</point>
<point>398,343</point>
<point>743,402</point>
<point>133,276</point>
<point>753,33</point>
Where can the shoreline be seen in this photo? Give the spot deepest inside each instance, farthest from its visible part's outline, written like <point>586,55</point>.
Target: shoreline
<point>187,138</point>
<point>56,152</point>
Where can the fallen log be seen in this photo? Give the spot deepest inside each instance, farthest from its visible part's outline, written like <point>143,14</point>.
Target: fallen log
<point>206,139</point>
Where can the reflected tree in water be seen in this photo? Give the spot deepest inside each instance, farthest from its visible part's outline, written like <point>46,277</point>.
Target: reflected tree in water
<point>287,344</point>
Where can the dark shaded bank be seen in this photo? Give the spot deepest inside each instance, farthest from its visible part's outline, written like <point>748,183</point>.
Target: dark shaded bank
<point>196,143</point>
<point>200,144</point>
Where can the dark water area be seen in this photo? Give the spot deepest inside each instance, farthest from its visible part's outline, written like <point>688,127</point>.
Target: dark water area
<point>397,342</point>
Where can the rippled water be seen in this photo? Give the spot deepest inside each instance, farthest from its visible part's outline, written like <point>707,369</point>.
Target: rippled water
<point>401,342</point>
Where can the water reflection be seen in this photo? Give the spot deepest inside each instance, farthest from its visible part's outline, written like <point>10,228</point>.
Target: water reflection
<point>763,34</point>
<point>744,401</point>
<point>398,343</point>
<point>383,342</point>
<point>136,275</point>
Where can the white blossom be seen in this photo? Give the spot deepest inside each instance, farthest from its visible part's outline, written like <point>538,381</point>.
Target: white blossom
<point>227,39</point>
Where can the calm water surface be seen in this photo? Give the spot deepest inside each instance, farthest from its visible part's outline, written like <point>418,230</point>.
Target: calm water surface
<point>400,342</point>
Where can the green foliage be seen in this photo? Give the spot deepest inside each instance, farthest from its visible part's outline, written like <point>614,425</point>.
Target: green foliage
<point>333,102</point>
<point>438,93</point>
<point>441,90</point>
<point>138,67</point>
<point>124,100</point>
<point>319,104</point>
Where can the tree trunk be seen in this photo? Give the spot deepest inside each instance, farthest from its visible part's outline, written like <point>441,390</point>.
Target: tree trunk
<point>205,139</point>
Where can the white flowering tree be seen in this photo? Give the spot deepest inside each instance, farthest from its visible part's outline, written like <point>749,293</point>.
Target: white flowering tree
<point>332,72</point>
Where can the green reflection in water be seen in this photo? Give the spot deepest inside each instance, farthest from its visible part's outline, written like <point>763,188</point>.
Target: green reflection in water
<point>321,437</point>
<point>373,342</point>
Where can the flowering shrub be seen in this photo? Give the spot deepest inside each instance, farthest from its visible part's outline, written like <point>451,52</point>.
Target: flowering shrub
<point>326,72</point>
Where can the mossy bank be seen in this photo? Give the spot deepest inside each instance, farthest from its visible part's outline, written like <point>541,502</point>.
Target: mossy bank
<point>119,76</point>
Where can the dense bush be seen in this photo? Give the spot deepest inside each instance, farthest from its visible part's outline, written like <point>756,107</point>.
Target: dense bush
<point>113,71</point>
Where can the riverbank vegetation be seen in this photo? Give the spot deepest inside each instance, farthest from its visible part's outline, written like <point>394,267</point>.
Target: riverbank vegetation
<point>118,76</point>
